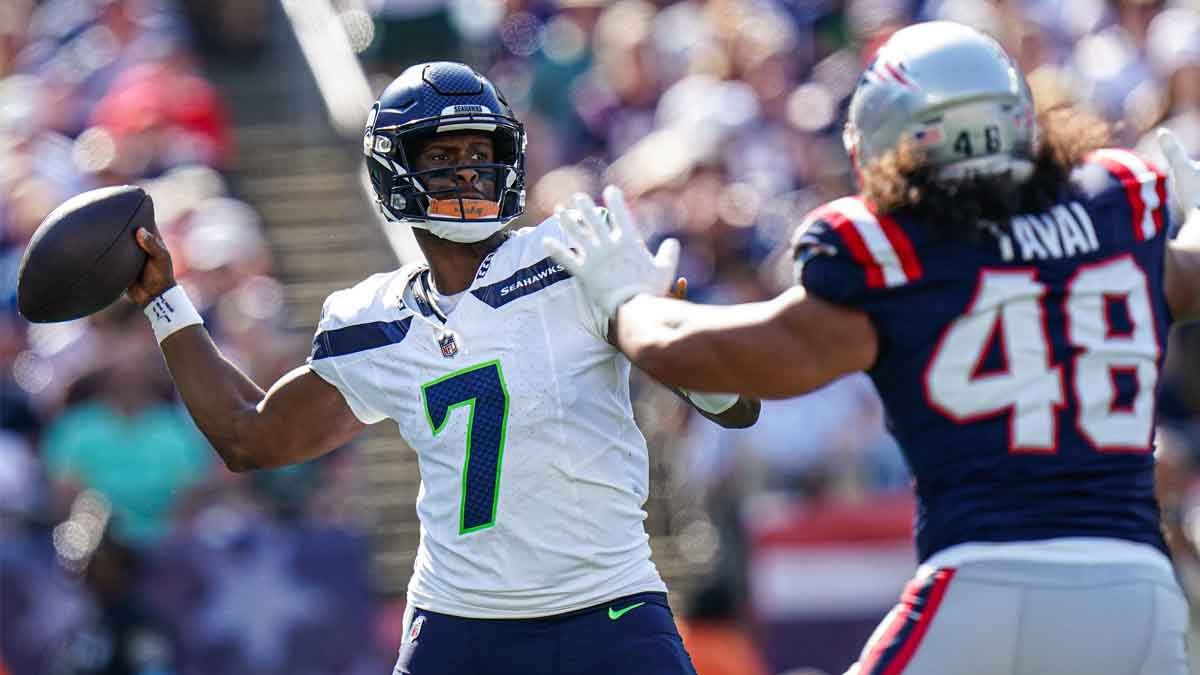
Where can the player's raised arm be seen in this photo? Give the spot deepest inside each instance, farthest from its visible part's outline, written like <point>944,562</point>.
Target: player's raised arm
<point>732,411</point>
<point>300,417</point>
<point>1181,281</point>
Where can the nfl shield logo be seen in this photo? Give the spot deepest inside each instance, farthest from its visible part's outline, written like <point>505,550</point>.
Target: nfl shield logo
<point>448,344</point>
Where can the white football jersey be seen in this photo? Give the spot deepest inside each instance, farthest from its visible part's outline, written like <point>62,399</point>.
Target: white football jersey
<point>533,473</point>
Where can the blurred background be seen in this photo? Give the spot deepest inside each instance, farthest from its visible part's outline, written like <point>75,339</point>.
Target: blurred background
<point>126,548</point>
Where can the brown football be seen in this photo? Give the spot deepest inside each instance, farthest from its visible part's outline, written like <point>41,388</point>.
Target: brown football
<point>84,254</point>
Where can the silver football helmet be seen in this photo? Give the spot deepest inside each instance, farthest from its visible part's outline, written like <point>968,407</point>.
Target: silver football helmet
<point>954,92</point>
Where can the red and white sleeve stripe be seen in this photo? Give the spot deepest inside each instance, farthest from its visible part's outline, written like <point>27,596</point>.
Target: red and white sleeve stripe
<point>877,243</point>
<point>1145,187</point>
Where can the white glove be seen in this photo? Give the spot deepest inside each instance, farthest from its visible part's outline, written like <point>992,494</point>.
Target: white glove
<point>610,258</point>
<point>1184,173</point>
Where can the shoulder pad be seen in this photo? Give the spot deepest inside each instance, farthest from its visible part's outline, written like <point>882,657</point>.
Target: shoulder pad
<point>375,298</point>
<point>523,249</point>
<point>1133,180</point>
<point>849,227</point>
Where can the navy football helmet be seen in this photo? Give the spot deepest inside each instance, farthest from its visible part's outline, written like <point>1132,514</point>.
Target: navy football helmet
<point>436,98</point>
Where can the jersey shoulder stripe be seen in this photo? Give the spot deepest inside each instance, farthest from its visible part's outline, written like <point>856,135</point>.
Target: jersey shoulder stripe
<point>359,337</point>
<point>1145,188</point>
<point>542,274</point>
<point>877,243</point>
<point>376,298</point>
<point>369,315</point>
<point>521,266</point>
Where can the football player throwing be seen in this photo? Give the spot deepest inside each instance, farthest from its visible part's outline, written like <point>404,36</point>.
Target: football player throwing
<point>499,372</point>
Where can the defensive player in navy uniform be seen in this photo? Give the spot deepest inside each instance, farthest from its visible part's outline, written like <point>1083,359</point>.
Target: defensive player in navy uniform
<point>533,558</point>
<point>1008,285</point>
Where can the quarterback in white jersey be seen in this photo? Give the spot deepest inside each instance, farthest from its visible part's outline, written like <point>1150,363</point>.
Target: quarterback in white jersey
<point>533,473</point>
<point>497,369</point>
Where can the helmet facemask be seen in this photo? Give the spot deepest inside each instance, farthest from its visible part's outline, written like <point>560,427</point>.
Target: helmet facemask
<point>464,202</point>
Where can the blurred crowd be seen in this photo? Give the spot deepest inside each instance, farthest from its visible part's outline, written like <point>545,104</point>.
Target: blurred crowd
<point>125,545</point>
<point>722,120</point>
<point>126,548</point>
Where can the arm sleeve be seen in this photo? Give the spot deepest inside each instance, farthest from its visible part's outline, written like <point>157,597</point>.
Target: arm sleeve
<point>1132,192</point>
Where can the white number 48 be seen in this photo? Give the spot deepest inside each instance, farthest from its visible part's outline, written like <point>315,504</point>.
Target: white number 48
<point>1008,307</point>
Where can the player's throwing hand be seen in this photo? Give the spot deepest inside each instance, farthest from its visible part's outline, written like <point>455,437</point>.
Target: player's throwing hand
<point>158,275</point>
<point>608,255</point>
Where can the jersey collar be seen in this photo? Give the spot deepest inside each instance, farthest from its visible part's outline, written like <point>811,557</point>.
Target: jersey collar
<point>418,281</point>
<point>426,299</point>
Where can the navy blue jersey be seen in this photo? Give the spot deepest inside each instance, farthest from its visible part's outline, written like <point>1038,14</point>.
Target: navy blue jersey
<point>1019,373</point>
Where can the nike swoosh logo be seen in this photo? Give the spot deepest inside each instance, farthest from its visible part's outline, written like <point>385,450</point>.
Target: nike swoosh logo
<point>615,614</point>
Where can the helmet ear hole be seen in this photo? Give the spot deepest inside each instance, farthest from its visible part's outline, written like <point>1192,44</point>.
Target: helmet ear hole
<point>378,174</point>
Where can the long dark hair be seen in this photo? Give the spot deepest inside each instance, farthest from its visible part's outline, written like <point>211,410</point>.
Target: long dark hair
<point>902,183</point>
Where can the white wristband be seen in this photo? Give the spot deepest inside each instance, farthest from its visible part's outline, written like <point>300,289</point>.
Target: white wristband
<point>714,402</point>
<point>170,312</point>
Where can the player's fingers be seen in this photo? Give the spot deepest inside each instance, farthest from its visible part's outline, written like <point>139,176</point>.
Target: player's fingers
<point>619,212</point>
<point>576,230</point>
<point>1176,156</point>
<point>592,215</point>
<point>572,229</point>
<point>151,243</point>
<point>667,258</point>
<point>563,255</point>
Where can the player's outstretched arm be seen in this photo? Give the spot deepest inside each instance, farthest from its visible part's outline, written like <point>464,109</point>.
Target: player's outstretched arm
<point>731,411</point>
<point>775,349</point>
<point>784,347</point>
<point>1181,278</point>
<point>300,417</point>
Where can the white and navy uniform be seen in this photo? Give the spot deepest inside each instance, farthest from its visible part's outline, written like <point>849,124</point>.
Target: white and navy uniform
<point>1019,375</point>
<point>533,473</point>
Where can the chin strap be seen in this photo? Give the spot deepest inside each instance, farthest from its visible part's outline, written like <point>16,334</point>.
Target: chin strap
<point>468,232</point>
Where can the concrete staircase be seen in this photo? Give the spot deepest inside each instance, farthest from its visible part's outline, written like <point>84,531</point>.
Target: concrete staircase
<point>324,237</point>
<point>304,180</point>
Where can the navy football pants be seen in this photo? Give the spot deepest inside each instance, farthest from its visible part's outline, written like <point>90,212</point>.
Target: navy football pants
<point>640,641</point>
